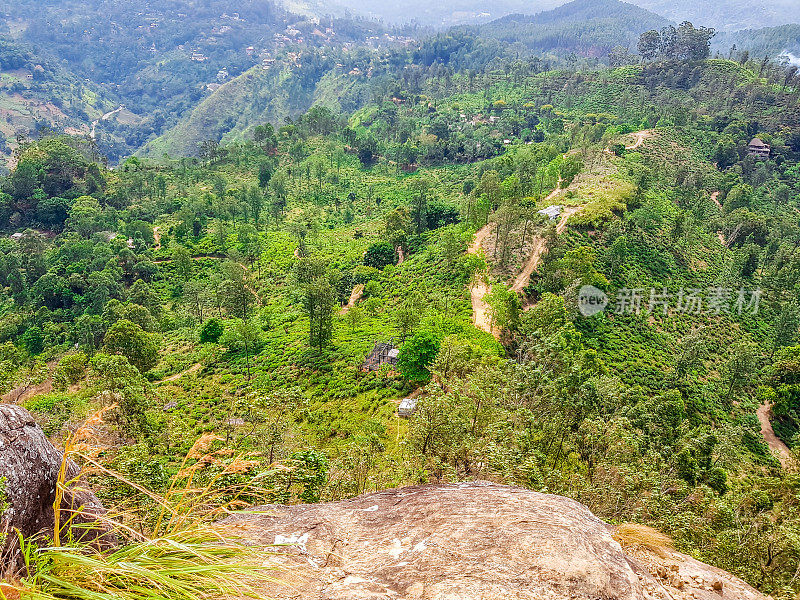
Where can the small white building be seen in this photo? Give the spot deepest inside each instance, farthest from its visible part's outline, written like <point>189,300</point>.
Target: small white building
<point>407,407</point>
<point>551,212</point>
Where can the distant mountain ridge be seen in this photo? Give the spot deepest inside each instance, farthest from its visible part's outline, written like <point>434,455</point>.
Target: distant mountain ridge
<point>728,15</point>
<point>768,41</point>
<point>587,27</point>
<point>725,15</point>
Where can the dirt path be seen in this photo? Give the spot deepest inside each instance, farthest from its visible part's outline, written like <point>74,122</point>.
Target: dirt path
<point>28,390</point>
<point>193,369</point>
<point>480,309</point>
<point>481,235</point>
<point>775,444</point>
<point>555,193</point>
<point>479,287</point>
<point>641,136</point>
<point>538,250</point>
<point>157,237</point>
<point>400,256</point>
<point>355,296</point>
<point>715,199</point>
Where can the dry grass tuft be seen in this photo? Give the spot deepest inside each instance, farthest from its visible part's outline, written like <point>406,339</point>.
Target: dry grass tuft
<point>181,557</point>
<point>634,535</point>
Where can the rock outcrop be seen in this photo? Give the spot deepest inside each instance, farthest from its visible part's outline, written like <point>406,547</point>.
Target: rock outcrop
<point>472,541</point>
<point>29,466</point>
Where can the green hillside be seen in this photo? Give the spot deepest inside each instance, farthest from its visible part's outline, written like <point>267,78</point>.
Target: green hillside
<point>769,41</point>
<point>160,62</point>
<point>285,89</point>
<point>345,81</point>
<point>38,94</point>
<point>223,307</point>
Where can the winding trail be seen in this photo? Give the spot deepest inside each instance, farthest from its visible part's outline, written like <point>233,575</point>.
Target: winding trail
<point>641,136</point>
<point>105,117</point>
<point>554,194</point>
<point>715,200</point>
<point>775,444</point>
<point>479,287</point>
<point>28,390</point>
<point>538,250</point>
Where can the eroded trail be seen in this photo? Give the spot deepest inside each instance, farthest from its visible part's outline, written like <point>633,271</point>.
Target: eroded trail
<point>28,391</point>
<point>554,194</point>
<point>157,237</point>
<point>538,250</point>
<point>775,444</point>
<point>355,296</point>
<point>479,287</point>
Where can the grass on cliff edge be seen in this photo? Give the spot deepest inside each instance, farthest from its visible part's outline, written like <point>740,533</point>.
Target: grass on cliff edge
<point>180,557</point>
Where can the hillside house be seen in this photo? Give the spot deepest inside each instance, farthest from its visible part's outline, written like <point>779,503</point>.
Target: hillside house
<point>407,407</point>
<point>551,212</point>
<point>384,353</point>
<point>758,149</point>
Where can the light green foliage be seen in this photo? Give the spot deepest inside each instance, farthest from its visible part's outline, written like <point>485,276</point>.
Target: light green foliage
<point>504,307</point>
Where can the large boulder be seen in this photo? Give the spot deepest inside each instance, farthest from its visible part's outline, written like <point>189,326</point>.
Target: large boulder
<point>29,467</point>
<point>472,541</point>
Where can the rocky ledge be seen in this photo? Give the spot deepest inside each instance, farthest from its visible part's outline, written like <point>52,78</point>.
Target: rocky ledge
<point>471,541</point>
<point>29,467</point>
